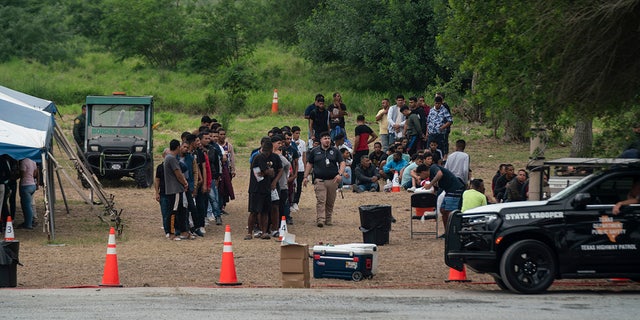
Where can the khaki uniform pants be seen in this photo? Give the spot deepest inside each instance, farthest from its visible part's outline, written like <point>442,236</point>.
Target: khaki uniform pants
<point>326,197</point>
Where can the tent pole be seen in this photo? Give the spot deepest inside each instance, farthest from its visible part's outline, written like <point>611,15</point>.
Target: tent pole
<point>47,218</point>
<point>64,197</point>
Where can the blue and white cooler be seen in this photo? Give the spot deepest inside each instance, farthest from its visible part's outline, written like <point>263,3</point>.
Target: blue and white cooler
<point>352,261</point>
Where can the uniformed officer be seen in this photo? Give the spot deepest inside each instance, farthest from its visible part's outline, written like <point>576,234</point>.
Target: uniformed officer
<point>78,127</point>
<point>328,166</point>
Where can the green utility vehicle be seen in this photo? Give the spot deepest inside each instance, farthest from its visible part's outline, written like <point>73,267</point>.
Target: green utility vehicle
<point>119,140</point>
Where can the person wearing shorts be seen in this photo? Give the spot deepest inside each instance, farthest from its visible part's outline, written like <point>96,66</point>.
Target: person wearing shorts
<point>446,181</point>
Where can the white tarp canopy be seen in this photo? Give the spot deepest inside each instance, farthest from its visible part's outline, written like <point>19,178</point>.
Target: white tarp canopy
<point>26,125</point>
<point>26,131</point>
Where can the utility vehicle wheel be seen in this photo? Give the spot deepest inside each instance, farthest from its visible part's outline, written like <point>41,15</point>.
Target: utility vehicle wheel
<point>144,176</point>
<point>85,183</point>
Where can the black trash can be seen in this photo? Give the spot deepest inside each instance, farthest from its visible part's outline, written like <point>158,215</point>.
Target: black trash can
<point>375,223</point>
<point>8,263</point>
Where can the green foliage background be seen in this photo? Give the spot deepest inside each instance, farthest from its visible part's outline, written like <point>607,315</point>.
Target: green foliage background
<point>507,65</point>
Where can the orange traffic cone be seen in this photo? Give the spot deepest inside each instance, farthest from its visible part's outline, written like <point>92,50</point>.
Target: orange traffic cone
<point>395,184</point>
<point>8,231</point>
<point>110,277</point>
<point>274,104</point>
<point>228,270</point>
<point>282,232</point>
<point>457,276</point>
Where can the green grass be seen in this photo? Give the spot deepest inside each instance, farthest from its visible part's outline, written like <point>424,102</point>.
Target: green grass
<point>273,66</point>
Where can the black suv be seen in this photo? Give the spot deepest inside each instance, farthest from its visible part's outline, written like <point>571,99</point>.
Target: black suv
<point>525,246</point>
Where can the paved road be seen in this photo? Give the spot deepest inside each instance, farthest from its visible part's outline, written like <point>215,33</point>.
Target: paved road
<point>248,303</point>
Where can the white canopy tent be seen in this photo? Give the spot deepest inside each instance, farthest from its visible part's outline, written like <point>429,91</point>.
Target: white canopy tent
<point>26,131</point>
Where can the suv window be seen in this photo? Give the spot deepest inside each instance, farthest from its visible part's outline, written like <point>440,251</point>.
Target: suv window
<point>612,190</point>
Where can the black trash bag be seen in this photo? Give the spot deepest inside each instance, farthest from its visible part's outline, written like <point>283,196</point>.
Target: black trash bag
<point>9,253</point>
<point>375,223</point>
<point>8,263</point>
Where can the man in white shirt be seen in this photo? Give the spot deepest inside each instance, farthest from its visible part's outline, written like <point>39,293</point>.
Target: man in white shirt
<point>396,120</point>
<point>458,162</point>
<point>302,150</point>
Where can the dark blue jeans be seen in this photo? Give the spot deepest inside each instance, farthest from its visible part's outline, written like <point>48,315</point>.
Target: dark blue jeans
<point>26,202</point>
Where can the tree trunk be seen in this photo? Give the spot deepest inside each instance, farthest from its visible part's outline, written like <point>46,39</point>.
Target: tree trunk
<point>582,142</point>
<point>516,124</point>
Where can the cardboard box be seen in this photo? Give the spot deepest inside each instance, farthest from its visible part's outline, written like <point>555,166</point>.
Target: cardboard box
<point>294,265</point>
<point>296,284</point>
<point>295,277</point>
<point>294,251</point>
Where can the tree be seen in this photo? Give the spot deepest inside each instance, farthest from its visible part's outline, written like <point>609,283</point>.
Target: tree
<point>32,29</point>
<point>279,18</point>
<point>84,17</point>
<point>392,40</point>
<point>595,60</point>
<point>151,29</point>
<point>223,33</point>
<point>493,40</point>
<point>566,57</point>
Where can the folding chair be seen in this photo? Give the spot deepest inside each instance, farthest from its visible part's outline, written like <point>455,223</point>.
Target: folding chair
<point>423,207</point>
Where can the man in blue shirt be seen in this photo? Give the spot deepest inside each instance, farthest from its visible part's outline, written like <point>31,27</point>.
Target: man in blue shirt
<point>396,164</point>
<point>438,121</point>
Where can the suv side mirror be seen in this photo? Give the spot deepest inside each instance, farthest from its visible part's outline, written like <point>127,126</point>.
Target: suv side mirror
<point>581,200</point>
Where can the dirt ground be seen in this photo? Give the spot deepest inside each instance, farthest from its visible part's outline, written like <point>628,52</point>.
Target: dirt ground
<point>76,256</point>
<point>146,258</point>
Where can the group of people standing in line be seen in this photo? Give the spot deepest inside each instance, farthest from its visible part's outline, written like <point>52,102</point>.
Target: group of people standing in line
<point>193,184</point>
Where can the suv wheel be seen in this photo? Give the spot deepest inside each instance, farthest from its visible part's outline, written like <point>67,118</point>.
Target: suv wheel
<point>528,266</point>
<point>144,176</point>
<point>500,283</point>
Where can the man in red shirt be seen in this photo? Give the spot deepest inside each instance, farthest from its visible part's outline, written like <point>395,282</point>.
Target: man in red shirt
<point>363,137</point>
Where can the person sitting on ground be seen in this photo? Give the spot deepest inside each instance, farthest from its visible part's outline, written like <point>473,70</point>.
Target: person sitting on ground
<point>398,148</point>
<point>474,197</point>
<point>346,176</point>
<point>517,188</point>
<point>366,176</point>
<point>436,153</point>
<point>499,192</point>
<point>396,164</point>
<point>407,181</point>
<point>340,142</point>
<point>377,155</point>
<point>501,170</point>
